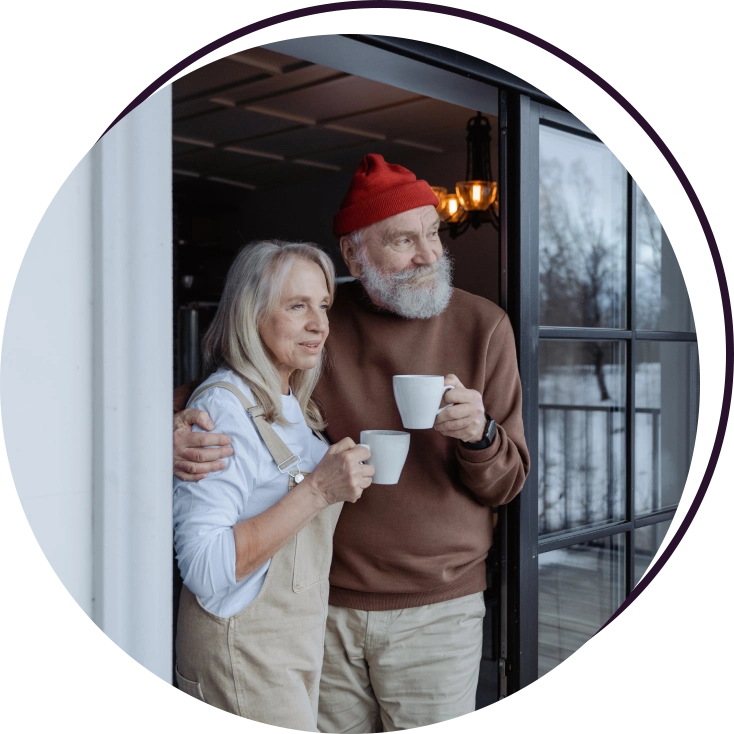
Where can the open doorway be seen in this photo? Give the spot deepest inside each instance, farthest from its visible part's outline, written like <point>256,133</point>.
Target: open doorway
<point>264,147</point>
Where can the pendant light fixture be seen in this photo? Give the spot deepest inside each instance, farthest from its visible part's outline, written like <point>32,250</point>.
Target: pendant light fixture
<point>475,200</point>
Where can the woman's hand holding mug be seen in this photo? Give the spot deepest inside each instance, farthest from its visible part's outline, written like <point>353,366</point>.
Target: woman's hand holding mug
<point>340,476</point>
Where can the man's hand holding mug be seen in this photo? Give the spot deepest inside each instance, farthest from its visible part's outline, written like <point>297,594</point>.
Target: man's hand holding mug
<point>465,419</point>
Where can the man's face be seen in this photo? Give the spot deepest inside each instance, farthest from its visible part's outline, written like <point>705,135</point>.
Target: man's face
<point>403,242</point>
<point>402,265</point>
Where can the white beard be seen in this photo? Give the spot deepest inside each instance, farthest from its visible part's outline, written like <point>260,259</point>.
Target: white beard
<point>395,291</point>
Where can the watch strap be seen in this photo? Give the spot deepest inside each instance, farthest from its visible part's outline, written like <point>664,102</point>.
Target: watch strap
<point>489,433</point>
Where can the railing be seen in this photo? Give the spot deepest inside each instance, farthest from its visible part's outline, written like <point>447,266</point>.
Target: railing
<point>581,463</point>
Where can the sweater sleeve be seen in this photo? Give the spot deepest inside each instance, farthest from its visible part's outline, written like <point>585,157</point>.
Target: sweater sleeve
<point>495,475</point>
<point>182,393</point>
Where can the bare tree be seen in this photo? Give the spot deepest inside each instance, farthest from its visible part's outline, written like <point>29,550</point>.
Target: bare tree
<point>578,262</point>
<point>649,265</point>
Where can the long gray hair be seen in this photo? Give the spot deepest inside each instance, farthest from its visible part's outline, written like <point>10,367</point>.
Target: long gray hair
<point>251,293</point>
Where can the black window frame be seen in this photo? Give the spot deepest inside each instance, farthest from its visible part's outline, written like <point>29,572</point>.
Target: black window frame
<point>519,168</point>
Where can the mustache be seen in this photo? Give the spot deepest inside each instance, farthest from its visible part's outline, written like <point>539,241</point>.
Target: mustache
<point>414,274</point>
<point>404,294</point>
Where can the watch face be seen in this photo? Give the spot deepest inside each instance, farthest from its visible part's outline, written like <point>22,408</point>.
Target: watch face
<point>491,430</point>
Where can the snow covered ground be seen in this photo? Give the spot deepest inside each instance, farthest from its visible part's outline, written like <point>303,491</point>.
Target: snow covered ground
<point>581,445</point>
<point>581,474</point>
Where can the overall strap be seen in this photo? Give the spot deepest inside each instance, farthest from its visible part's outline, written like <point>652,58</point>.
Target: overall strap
<point>281,454</point>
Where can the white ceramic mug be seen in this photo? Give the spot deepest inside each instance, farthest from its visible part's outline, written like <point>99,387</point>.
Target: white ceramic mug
<point>389,450</point>
<point>418,398</point>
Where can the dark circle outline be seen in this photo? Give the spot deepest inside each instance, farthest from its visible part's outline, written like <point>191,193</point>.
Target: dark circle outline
<point>634,114</point>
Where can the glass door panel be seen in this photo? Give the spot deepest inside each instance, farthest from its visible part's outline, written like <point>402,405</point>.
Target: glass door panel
<point>661,302</point>
<point>666,414</point>
<point>581,434</point>
<point>647,542</point>
<point>579,588</point>
<point>582,232</point>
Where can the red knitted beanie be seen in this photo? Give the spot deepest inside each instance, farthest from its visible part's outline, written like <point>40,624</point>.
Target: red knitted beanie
<point>380,190</point>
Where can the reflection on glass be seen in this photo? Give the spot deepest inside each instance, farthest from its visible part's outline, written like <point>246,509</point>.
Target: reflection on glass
<point>662,299</point>
<point>581,434</point>
<point>647,542</point>
<point>666,414</point>
<point>580,587</point>
<point>583,251</point>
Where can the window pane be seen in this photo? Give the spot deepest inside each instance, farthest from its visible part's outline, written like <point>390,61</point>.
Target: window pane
<point>580,587</point>
<point>662,299</point>
<point>581,434</point>
<point>583,233</point>
<point>647,542</point>
<point>666,414</point>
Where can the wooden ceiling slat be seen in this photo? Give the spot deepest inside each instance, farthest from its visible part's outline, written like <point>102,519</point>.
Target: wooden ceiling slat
<point>277,86</point>
<point>339,98</point>
<point>230,125</point>
<point>265,58</point>
<point>213,78</point>
<point>277,120</point>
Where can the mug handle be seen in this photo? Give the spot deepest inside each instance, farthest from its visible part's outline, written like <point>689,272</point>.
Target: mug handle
<point>446,388</point>
<point>364,446</point>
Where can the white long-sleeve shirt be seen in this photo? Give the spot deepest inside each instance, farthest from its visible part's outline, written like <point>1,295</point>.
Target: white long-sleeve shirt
<point>205,512</point>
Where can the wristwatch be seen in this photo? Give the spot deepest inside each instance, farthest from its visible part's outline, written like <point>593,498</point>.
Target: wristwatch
<point>489,433</point>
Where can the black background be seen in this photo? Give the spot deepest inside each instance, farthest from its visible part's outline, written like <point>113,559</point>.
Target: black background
<point>72,73</point>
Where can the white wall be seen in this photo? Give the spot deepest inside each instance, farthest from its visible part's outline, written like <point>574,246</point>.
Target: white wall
<point>86,383</point>
<point>46,384</point>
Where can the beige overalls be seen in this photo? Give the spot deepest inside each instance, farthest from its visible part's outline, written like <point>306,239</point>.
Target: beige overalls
<point>264,663</point>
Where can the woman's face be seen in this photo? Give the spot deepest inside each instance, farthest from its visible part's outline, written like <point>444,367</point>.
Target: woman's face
<point>294,334</point>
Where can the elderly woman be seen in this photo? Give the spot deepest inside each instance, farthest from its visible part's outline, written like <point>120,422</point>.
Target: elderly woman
<point>253,541</point>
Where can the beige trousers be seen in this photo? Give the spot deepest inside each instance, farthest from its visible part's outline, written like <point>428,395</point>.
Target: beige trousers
<point>395,670</point>
<point>264,663</point>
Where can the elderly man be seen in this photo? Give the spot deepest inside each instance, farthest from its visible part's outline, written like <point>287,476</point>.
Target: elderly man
<point>404,633</point>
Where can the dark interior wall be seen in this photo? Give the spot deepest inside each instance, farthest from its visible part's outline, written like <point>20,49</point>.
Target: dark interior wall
<point>301,211</point>
<point>215,220</point>
<point>312,206</point>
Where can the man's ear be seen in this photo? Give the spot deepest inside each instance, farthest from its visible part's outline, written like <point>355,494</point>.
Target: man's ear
<point>349,253</point>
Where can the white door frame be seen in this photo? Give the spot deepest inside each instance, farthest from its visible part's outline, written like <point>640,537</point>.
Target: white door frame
<point>88,369</point>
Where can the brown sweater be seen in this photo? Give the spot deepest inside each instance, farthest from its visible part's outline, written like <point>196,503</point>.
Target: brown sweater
<point>425,539</point>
